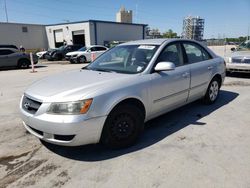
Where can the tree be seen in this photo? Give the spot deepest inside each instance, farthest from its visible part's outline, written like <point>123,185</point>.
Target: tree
<point>169,34</point>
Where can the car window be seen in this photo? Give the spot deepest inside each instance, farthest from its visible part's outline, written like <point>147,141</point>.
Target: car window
<point>195,53</point>
<point>100,48</point>
<point>171,53</point>
<point>93,49</point>
<point>6,52</point>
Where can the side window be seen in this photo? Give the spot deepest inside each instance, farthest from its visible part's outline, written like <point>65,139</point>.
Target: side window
<point>94,49</point>
<point>195,53</point>
<point>100,48</point>
<point>6,52</point>
<point>171,53</point>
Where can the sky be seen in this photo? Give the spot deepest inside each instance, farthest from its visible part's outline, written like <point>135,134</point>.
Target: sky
<point>223,18</point>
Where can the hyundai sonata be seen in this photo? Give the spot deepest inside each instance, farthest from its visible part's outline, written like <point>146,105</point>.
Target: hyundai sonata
<point>109,100</point>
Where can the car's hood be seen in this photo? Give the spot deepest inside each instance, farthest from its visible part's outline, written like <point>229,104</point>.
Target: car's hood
<point>75,53</point>
<point>241,54</point>
<point>73,85</point>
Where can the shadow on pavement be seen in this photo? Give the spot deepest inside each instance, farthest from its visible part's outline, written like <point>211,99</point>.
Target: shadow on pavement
<point>15,68</point>
<point>155,130</point>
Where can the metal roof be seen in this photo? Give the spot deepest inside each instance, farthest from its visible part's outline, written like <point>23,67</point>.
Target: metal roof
<point>97,21</point>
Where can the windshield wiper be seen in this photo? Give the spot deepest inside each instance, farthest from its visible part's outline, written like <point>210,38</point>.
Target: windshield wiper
<point>101,70</point>
<point>97,69</point>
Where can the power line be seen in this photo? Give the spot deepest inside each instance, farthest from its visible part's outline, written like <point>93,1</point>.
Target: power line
<point>6,12</point>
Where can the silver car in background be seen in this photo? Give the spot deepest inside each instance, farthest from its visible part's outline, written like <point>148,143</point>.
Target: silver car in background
<point>11,57</point>
<point>240,58</point>
<point>109,100</point>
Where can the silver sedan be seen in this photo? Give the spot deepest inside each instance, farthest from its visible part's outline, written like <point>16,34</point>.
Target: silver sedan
<point>110,100</point>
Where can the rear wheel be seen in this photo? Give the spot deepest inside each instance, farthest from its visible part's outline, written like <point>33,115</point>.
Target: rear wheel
<point>23,63</point>
<point>123,126</point>
<point>212,91</point>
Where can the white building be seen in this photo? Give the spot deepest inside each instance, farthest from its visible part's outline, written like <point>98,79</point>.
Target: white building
<point>93,32</point>
<point>88,32</point>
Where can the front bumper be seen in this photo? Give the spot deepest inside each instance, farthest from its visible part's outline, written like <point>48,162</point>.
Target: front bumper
<point>67,130</point>
<point>238,67</point>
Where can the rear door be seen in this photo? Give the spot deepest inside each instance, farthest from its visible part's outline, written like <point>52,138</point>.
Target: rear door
<point>169,89</point>
<point>201,67</point>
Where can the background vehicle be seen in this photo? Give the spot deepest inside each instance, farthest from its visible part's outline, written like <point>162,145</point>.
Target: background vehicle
<point>59,53</point>
<point>244,46</point>
<point>11,57</point>
<point>109,100</point>
<point>41,55</point>
<point>239,62</point>
<point>84,54</point>
<point>8,46</point>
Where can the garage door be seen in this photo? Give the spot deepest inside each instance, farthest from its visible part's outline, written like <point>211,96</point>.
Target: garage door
<point>78,37</point>
<point>58,35</point>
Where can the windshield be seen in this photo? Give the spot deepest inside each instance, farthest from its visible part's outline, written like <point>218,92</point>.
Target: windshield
<point>61,48</point>
<point>245,45</point>
<point>129,59</point>
<point>82,49</point>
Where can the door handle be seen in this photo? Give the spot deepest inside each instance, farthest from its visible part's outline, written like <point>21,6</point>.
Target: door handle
<point>210,67</point>
<point>185,75</point>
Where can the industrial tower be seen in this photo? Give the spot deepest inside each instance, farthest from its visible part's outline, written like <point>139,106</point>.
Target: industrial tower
<point>193,28</point>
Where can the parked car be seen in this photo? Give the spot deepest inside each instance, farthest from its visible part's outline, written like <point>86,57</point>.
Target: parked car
<point>41,55</point>
<point>84,54</point>
<point>239,62</point>
<point>10,57</point>
<point>59,53</point>
<point>8,46</point>
<point>109,100</point>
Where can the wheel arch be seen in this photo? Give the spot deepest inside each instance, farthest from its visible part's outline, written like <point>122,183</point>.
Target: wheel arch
<point>130,100</point>
<point>219,77</point>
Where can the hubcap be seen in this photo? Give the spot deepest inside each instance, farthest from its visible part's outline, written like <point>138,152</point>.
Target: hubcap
<point>213,90</point>
<point>122,127</point>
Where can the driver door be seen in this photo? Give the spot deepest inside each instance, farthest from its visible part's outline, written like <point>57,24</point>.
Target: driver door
<point>169,89</point>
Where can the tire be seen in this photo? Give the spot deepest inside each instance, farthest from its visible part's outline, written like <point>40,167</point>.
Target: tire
<point>81,59</point>
<point>212,92</point>
<point>122,127</point>
<point>23,63</point>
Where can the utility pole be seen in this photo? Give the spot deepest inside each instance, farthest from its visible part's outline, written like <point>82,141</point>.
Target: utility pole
<point>248,37</point>
<point>6,12</point>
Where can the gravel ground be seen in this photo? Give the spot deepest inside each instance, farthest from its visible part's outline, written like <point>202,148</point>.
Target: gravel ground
<point>194,146</point>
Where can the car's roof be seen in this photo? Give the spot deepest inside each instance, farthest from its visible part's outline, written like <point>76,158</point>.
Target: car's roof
<point>154,41</point>
<point>96,46</point>
<point>145,41</point>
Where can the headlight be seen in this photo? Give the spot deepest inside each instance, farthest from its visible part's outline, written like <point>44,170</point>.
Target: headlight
<point>70,108</point>
<point>229,60</point>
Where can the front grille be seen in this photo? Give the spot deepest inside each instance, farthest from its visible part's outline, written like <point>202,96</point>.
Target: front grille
<point>30,105</point>
<point>240,60</point>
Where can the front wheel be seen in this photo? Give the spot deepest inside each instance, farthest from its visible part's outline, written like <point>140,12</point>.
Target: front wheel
<point>123,126</point>
<point>212,91</point>
<point>81,59</point>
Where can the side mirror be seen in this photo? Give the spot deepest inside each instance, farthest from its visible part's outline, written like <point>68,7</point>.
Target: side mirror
<point>164,66</point>
<point>233,49</point>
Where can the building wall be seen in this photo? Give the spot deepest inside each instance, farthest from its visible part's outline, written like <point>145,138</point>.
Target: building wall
<point>34,38</point>
<point>118,32</point>
<point>67,32</point>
